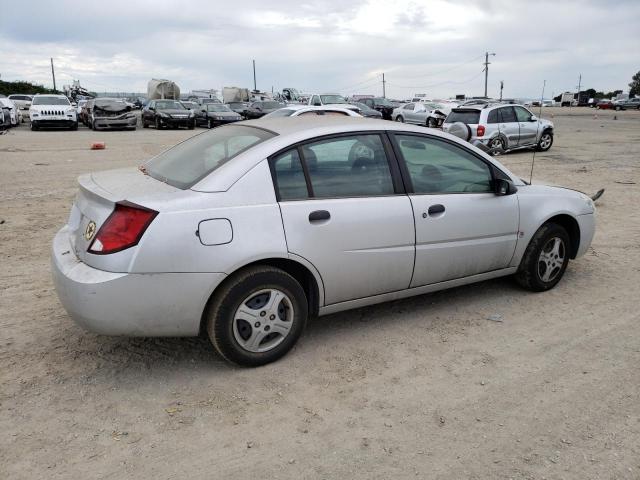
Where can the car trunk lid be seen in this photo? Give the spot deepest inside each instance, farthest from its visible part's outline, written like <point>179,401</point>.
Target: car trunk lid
<point>96,200</point>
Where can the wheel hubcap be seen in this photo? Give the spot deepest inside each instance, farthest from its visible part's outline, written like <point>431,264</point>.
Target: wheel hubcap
<point>263,320</point>
<point>497,143</point>
<point>551,259</point>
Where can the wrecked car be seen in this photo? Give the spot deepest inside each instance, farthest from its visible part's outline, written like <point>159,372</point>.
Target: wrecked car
<point>112,113</point>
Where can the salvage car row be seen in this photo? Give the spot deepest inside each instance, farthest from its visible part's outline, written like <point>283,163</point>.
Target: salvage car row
<point>494,125</point>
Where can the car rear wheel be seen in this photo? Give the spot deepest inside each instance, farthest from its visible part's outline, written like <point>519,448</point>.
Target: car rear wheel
<point>497,143</point>
<point>257,316</point>
<point>545,259</point>
<point>545,142</point>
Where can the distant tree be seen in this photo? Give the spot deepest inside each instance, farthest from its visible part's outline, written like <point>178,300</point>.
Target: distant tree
<point>634,86</point>
<point>7,88</point>
<point>591,92</point>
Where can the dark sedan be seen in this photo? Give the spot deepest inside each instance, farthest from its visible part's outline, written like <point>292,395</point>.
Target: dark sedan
<point>238,107</point>
<point>167,113</point>
<point>382,105</point>
<point>367,111</point>
<point>215,114</point>
<point>260,109</point>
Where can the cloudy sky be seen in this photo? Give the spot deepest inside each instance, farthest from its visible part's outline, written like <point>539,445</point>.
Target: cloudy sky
<point>423,46</point>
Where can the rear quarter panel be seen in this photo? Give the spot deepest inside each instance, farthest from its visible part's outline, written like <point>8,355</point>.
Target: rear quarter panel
<point>172,245</point>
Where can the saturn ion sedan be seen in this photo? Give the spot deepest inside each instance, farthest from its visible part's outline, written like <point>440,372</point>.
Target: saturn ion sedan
<point>247,230</point>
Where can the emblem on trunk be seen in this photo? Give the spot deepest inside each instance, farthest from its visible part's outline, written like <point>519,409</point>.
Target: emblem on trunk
<point>90,231</point>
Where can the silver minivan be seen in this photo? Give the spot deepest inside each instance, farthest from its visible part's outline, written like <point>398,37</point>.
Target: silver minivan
<point>501,126</point>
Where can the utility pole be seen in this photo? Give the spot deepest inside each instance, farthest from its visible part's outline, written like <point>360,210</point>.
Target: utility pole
<point>384,87</point>
<point>255,88</point>
<point>579,84</point>
<point>53,74</point>
<point>501,87</point>
<point>486,70</point>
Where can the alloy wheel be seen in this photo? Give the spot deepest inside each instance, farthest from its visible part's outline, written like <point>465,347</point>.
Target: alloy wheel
<point>551,259</point>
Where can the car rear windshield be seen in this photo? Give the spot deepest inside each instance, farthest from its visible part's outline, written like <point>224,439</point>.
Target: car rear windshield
<point>48,100</point>
<point>464,116</point>
<point>190,161</point>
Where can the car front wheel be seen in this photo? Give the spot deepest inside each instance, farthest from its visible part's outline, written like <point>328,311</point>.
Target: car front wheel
<point>545,259</point>
<point>257,316</point>
<point>545,142</point>
<point>399,119</point>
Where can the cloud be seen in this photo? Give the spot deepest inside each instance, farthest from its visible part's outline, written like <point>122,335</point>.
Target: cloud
<point>434,47</point>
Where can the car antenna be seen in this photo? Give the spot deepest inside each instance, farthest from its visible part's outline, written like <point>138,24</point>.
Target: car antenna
<point>533,160</point>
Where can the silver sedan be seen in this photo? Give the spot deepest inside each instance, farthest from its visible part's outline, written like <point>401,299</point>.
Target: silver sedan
<point>421,113</point>
<point>247,230</point>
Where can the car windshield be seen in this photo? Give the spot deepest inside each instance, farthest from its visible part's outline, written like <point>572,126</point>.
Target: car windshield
<point>361,106</point>
<point>169,105</point>
<point>217,107</point>
<point>464,116</point>
<point>190,161</point>
<point>50,100</point>
<point>383,101</point>
<point>283,112</point>
<point>332,99</point>
<point>236,105</point>
<point>209,100</point>
<point>190,105</point>
<point>271,104</point>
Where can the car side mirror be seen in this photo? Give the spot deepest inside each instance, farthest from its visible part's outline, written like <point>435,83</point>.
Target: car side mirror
<point>152,108</point>
<point>533,118</point>
<point>503,187</point>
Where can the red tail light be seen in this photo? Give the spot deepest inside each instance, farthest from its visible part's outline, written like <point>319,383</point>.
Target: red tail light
<point>480,130</point>
<point>122,229</point>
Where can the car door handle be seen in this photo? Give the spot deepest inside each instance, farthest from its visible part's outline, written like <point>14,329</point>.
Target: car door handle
<point>434,210</point>
<point>319,215</point>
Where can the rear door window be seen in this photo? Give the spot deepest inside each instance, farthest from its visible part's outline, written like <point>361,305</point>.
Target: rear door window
<point>507,115</point>
<point>493,117</point>
<point>289,176</point>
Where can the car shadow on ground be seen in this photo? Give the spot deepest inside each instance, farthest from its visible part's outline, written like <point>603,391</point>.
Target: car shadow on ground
<point>119,354</point>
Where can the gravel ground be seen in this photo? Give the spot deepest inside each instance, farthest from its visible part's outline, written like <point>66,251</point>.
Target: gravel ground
<point>480,382</point>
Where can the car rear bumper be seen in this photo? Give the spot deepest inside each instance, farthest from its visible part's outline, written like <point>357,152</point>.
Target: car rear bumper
<point>108,303</point>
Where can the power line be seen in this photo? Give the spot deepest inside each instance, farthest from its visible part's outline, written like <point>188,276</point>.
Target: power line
<point>375,79</point>
<point>437,84</point>
<point>446,70</point>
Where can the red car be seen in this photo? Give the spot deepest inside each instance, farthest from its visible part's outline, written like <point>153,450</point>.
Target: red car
<point>605,105</point>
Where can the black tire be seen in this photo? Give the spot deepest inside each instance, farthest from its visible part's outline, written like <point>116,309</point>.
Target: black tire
<point>33,127</point>
<point>529,275</point>
<point>399,119</point>
<point>227,299</point>
<point>432,122</point>
<point>192,125</point>
<point>74,126</point>
<point>157,122</point>
<point>209,124</point>
<point>93,125</point>
<point>545,142</point>
<point>144,123</point>
<point>617,107</point>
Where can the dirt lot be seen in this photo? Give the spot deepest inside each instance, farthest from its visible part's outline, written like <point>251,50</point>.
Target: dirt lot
<point>422,388</point>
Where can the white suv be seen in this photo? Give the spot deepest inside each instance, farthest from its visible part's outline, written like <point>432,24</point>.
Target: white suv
<point>502,126</point>
<point>52,111</point>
